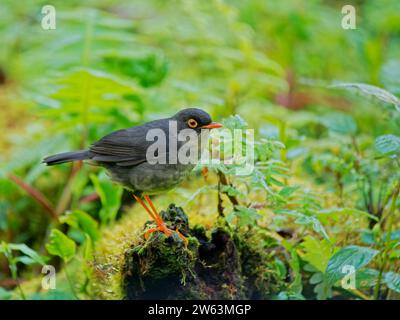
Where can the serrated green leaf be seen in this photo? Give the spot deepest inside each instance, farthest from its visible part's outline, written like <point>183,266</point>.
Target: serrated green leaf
<point>246,216</point>
<point>392,280</point>
<point>317,252</point>
<point>354,256</point>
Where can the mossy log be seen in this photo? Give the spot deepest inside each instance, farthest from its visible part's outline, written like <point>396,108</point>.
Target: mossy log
<point>218,266</point>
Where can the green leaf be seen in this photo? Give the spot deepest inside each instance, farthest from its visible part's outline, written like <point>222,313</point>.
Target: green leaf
<point>388,143</point>
<point>371,90</point>
<point>230,190</point>
<point>150,69</point>
<point>366,278</point>
<point>110,197</point>
<point>354,256</point>
<point>31,255</point>
<point>105,88</point>
<point>288,191</point>
<point>280,268</point>
<point>296,286</point>
<point>60,245</point>
<point>316,278</point>
<point>393,281</point>
<point>82,221</point>
<point>304,219</point>
<point>246,216</point>
<point>317,252</point>
<point>340,123</point>
<point>323,289</point>
<point>234,122</point>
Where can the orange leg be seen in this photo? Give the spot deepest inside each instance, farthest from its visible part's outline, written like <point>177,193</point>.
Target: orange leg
<point>147,198</point>
<point>157,218</point>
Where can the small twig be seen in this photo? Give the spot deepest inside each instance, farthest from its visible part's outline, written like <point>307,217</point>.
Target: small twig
<point>35,194</point>
<point>89,198</point>
<point>219,206</point>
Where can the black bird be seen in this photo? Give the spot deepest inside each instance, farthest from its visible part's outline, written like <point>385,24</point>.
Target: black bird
<point>124,153</point>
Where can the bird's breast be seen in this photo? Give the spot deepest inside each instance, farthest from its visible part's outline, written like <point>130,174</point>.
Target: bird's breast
<point>154,178</point>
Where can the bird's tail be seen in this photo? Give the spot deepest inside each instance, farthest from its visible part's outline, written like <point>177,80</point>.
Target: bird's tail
<point>66,157</point>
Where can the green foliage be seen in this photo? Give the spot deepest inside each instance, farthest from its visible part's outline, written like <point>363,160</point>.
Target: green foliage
<point>245,216</point>
<point>25,256</point>
<point>376,92</point>
<point>317,252</point>
<point>4,294</point>
<point>110,196</point>
<point>60,245</point>
<point>393,281</point>
<point>388,144</point>
<point>149,69</point>
<point>353,256</point>
<point>326,169</point>
<point>340,123</point>
<point>84,222</point>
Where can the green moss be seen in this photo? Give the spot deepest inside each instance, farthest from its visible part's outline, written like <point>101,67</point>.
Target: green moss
<point>219,266</point>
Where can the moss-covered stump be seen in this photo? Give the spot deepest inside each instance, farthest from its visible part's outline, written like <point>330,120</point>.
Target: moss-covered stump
<point>210,267</point>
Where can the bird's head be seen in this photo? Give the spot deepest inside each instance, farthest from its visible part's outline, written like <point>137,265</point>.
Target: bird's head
<point>196,119</point>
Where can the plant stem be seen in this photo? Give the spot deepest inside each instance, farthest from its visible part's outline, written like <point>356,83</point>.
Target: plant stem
<point>387,240</point>
<point>35,194</point>
<point>13,268</point>
<point>21,291</point>
<point>71,285</point>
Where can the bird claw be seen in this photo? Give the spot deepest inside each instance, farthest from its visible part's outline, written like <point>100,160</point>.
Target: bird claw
<point>167,231</point>
<point>162,228</point>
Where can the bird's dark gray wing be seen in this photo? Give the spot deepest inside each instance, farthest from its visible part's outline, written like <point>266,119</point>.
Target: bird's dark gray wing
<point>126,147</point>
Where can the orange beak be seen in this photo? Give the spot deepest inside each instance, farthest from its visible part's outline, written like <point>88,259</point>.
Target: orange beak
<point>213,125</point>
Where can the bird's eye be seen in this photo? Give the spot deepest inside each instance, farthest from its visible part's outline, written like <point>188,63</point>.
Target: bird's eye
<point>192,123</point>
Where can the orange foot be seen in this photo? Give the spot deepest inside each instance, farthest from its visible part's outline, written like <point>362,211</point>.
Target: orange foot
<point>167,231</point>
<point>158,220</point>
<point>162,228</point>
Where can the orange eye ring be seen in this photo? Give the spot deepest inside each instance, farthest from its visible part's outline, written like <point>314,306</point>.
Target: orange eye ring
<point>192,123</point>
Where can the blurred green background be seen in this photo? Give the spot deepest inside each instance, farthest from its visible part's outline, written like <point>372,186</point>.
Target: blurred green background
<point>110,65</point>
